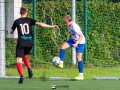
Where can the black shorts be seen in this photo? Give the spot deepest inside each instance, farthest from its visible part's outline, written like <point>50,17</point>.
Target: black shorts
<point>22,50</point>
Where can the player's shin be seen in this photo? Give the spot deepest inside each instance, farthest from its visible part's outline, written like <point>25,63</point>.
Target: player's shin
<point>26,61</point>
<point>62,56</point>
<point>80,68</point>
<point>19,68</point>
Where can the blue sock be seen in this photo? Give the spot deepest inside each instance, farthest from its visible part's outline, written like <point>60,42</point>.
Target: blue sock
<point>80,66</point>
<point>62,54</point>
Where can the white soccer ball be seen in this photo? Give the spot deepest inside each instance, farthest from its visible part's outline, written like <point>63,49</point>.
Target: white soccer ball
<point>56,60</point>
<point>53,86</point>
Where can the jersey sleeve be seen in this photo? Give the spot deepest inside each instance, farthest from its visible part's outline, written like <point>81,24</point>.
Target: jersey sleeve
<point>33,21</point>
<point>14,25</point>
<point>77,29</point>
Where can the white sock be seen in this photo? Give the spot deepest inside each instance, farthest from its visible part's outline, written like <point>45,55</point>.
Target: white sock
<point>80,73</point>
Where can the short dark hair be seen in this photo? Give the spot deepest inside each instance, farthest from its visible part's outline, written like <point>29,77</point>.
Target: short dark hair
<point>23,10</point>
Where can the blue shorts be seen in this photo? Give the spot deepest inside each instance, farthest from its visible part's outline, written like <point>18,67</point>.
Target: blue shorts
<point>79,48</point>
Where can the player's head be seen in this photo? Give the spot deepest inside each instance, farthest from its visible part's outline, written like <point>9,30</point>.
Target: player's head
<point>23,11</point>
<point>67,20</point>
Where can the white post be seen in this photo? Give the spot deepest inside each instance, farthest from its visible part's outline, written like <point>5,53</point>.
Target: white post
<point>12,13</point>
<point>9,11</point>
<point>73,19</point>
<point>2,38</point>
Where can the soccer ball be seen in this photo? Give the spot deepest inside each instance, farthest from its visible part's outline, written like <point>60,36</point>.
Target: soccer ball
<point>53,86</point>
<point>56,60</point>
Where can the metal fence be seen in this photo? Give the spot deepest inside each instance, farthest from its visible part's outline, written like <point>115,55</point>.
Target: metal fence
<point>103,31</point>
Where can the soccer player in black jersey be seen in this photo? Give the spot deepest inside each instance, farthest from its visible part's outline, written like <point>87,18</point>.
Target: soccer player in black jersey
<point>25,40</point>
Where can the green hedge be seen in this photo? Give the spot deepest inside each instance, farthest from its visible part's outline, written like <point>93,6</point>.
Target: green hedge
<point>104,32</point>
<point>103,38</point>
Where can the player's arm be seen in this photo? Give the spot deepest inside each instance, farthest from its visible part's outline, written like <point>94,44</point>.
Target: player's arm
<point>45,25</point>
<point>79,40</point>
<point>12,31</point>
<point>13,28</point>
<point>79,33</point>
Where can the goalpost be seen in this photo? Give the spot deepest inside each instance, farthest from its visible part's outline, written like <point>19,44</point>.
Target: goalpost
<point>2,38</point>
<point>9,12</point>
<point>73,19</point>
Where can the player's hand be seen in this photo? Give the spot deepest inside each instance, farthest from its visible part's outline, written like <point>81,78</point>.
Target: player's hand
<point>55,27</point>
<point>75,45</point>
<point>11,32</point>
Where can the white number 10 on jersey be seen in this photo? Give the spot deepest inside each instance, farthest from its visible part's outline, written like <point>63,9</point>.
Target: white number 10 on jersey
<point>24,28</point>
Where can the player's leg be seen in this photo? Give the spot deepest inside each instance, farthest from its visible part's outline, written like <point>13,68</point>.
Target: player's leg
<point>80,50</point>
<point>27,62</point>
<point>80,67</point>
<point>63,47</point>
<point>20,69</point>
<point>19,55</point>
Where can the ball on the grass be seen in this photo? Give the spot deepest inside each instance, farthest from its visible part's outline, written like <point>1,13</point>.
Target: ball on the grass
<point>53,86</point>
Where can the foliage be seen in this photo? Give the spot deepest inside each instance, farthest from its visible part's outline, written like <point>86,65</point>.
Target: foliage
<point>102,37</point>
<point>103,31</point>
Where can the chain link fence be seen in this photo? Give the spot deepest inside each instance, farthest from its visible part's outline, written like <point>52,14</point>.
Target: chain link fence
<point>103,34</point>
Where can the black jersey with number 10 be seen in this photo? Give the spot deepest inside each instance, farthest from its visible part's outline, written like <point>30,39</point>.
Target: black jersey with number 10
<point>24,29</point>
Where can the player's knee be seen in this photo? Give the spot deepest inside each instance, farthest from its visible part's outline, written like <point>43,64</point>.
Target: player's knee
<point>62,46</point>
<point>79,57</point>
<point>19,60</point>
